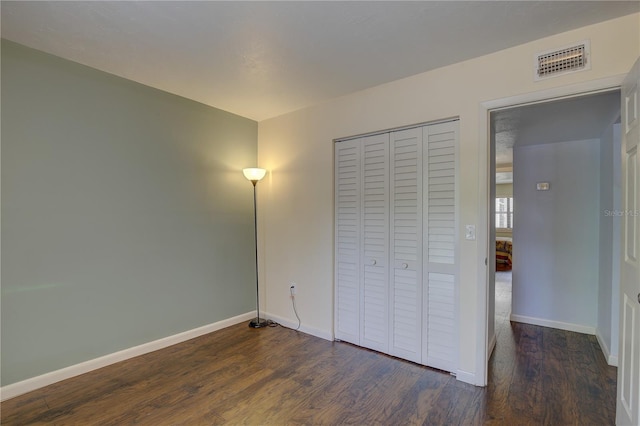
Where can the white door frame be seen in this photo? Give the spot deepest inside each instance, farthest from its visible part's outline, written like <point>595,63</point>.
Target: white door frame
<point>484,140</point>
<point>628,388</point>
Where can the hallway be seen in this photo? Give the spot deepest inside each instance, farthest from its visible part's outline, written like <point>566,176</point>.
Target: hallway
<point>541,375</point>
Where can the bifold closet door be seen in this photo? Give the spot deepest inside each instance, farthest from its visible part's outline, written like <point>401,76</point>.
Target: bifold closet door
<point>362,241</point>
<point>440,328</point>
<point>374,299</point>
<point>395,243</point>
<point>348,174</point>
<point>406,244</point>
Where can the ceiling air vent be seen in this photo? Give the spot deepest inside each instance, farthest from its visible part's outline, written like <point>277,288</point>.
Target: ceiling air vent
<point>563,61</point>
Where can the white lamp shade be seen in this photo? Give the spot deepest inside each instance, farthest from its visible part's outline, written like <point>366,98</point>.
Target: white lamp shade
<point>254,173</point>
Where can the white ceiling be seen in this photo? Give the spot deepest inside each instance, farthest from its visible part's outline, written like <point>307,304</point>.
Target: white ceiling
<point>263,59</point>
<point>579,118</point>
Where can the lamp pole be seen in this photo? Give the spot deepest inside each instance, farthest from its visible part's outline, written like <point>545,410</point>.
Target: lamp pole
<point>254,175</point>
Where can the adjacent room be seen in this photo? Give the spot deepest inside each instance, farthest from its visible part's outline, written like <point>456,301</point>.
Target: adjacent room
<point>319,212</point>
<point>560,157</point>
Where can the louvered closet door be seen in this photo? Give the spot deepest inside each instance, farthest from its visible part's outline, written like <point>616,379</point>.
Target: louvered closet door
<point>406,255</point>
<point>439,246</point>
<point>347,240</point>
<point>374,326</point>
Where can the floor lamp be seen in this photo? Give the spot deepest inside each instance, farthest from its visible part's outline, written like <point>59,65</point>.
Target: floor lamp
<point>254,175</point>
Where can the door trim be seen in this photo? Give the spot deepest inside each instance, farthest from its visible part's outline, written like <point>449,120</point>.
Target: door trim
<point>483,231</point>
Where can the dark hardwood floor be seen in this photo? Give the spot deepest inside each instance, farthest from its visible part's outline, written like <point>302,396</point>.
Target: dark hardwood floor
<point>277,376</point>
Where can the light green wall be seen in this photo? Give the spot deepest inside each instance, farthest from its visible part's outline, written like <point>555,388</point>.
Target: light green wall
<point>125,215</point>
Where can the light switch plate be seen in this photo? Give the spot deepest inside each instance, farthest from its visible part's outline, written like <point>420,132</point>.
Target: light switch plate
<point>470,232</point>
<point>542,186</point>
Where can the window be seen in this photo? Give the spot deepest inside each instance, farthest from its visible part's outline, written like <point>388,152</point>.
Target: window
<point>504,213</point>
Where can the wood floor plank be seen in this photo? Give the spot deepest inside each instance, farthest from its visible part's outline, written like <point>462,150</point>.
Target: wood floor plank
<point>342,383</point>
<point>277,376</point>
<point>525,389</point>
<point>500,375</point>
<point>420,391</point>
<point>588,382</point>
<point>558,380</point>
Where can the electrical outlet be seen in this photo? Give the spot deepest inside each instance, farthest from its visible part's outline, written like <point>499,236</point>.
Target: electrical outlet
<point>293,289</point>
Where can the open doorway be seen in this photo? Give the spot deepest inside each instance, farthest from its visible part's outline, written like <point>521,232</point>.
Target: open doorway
<point>504,224</point>
<point>553,259</point>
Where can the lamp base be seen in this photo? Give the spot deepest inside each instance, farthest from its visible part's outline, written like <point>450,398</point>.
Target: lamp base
<point>258,323</point>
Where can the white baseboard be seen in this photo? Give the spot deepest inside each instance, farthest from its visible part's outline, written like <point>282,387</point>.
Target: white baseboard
<point>611,359</point>
<point>465,376</point>
<point>303,328</point>
<point>578,328</point>
<point>28,385</point>
<point>492,345</point>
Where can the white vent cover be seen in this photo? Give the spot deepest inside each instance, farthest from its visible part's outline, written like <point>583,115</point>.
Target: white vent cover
<point>566,60</point>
